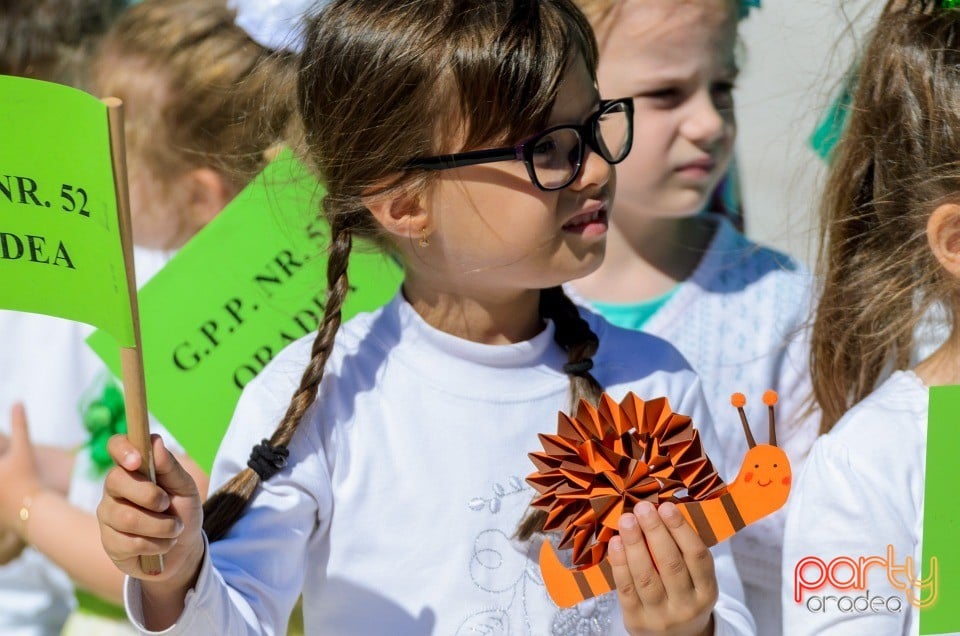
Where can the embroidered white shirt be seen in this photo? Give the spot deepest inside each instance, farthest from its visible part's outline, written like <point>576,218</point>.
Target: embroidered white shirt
<point>396,511</point>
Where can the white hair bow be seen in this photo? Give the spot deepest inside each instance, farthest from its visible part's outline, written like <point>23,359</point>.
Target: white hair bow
<point>275,24</point>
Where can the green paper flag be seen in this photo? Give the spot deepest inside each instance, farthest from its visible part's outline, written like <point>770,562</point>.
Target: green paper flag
<point>250,283</point>
<point>60,247</point>
<point>939,597</point>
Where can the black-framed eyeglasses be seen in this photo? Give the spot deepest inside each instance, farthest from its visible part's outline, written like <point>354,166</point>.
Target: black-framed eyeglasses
<point>554,157</point>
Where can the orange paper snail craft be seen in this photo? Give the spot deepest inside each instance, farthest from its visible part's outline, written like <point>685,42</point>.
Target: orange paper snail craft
<point>607,459</point>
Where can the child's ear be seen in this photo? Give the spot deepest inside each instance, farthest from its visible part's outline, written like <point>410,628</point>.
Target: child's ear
<point>209,192</point>
<point>943,234</point>
<point>402,214</point>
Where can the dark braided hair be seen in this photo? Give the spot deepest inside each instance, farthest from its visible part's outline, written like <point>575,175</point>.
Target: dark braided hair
<point>375,79</point>
<point>227,504</point>
<point>574,336</point>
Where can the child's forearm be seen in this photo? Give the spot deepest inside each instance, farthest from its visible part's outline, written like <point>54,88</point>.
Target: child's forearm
<point>55,467</point>
<point>54,464</point>
<point>70,537</point>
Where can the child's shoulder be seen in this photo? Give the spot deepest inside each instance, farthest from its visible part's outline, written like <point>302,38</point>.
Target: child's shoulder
<point>869,467</point>
<point>353,342</point>
<point>734,262</point>
<point>885,429</point>
<point>626,355</point>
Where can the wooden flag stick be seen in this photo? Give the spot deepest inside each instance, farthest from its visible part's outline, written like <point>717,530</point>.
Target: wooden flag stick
<point>131,358</point>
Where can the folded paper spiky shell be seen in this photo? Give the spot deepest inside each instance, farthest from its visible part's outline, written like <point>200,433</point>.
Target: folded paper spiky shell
<point>606,460</point>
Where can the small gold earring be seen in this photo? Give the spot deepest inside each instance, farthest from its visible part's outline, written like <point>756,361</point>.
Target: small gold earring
<point>424,241</point>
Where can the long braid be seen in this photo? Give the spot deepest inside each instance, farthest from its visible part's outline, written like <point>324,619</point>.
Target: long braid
<point>225,506</point>
<point>574,336</point>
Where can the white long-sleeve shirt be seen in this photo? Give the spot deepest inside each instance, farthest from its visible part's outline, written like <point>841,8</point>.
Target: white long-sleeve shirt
<point>860,492</point>
<point>396,511</point>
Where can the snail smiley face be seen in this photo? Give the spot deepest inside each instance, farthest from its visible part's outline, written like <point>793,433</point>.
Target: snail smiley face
<point>765,467</point>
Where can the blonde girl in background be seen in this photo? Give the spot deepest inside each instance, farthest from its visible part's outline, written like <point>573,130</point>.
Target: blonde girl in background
<point>680,270</point>
<point>198,127</point>
<point>890,253</point>
<point>468,139</point>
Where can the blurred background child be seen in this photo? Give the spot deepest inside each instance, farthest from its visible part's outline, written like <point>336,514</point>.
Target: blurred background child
<point>680,270</point>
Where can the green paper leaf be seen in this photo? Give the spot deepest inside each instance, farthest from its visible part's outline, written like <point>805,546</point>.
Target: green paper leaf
<point>941,516</point>
<point>60,249</point>
<point>247,285</point>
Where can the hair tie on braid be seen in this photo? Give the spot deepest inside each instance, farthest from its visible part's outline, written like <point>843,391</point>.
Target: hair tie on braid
<point>578,368</point>
<point>267,460</point>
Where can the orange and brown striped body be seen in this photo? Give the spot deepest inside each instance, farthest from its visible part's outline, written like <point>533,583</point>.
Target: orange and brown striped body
<point>761,488</point>
<point>569,587</point>
<point>713,519</point>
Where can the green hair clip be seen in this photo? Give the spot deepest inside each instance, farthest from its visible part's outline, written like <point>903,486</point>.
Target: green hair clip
<point>949,4</point>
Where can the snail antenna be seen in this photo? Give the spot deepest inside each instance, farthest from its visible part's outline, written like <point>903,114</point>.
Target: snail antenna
<point>770,398</point>
<point>739,401</point>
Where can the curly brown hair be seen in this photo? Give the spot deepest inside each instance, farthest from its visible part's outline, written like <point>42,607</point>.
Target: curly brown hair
<point>198,91</point>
